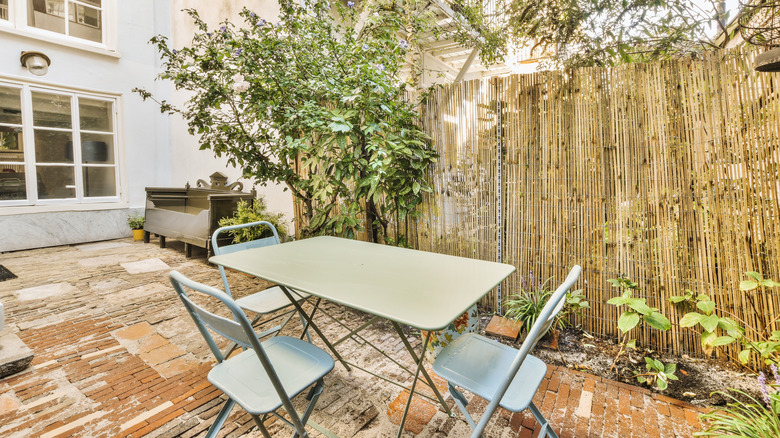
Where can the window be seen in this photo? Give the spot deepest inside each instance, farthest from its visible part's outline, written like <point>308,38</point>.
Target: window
<point>80,19</point>
<point>73,20</point>
<point>3,9</point>
<point>71,152</point>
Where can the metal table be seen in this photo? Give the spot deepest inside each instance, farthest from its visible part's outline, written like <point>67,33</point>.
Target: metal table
<point>421,289</point>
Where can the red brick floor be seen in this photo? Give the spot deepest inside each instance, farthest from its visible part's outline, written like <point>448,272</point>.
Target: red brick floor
<point>116,356</point>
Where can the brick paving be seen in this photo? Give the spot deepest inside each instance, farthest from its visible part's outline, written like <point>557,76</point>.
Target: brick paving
<point>116,355</point>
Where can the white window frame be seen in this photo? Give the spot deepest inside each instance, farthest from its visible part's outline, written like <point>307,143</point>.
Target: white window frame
<point>30,162</point>
<point>17,23</point>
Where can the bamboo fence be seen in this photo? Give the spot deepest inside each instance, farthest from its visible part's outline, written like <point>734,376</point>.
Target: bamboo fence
<point>664,172</point>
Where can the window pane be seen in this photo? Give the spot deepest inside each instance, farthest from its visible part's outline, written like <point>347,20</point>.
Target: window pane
<point>97,3</point>
<point>95,115</point>
<point>85,22</point>
<point>47,14</point>
<point>50,110</point>
<point>12,185</point>
<point>56,182</point>
<point>53,146</point>
<point>97,148</point>
<point>10,106</point>
<point>11,144</point>
<point>99,181</point>
<point>3,9</point>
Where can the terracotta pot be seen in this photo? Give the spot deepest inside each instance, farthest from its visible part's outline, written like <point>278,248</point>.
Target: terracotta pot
<point>138,235</point>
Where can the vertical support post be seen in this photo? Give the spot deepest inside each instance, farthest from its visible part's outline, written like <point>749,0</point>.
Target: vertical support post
<point>499,187</point>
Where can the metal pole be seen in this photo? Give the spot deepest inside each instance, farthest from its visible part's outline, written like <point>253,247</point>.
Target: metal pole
<point>499,189</point>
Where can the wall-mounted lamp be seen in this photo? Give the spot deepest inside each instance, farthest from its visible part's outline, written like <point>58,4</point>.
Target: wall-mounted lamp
<point>36,62</point>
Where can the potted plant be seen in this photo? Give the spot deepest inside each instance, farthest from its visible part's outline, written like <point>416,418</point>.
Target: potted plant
<point>136,223</point>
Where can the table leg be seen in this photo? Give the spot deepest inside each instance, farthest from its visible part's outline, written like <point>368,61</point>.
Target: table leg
<point>414,382</point>
<point>420,367</point>
<point>314,326</point>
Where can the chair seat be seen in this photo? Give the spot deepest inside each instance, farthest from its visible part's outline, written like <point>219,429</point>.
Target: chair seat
<point>479,364</point>
<point>268,301</point>
<point>244,380</point>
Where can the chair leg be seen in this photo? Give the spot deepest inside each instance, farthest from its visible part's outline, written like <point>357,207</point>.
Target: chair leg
<point>461,402</point>
<point>312,397</point>
<point>220,419</point>
<point>261,426</point>
<point>546,428</point>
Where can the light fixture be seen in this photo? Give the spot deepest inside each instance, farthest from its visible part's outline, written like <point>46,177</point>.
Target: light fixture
<point>36,62</point>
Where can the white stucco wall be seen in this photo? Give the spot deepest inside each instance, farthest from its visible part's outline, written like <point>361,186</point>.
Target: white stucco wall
<point>190,163</point>
<point>144,155</point>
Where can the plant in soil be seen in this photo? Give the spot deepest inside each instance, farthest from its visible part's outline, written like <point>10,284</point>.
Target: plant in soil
<point>636,310</point>
<point>744,416</point>
<point>135,222</point>
<point>762,341</point>
<point>256,212</point>
<point>526,305</point>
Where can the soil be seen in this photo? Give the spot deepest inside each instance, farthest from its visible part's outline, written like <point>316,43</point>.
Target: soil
<point>698,377</point>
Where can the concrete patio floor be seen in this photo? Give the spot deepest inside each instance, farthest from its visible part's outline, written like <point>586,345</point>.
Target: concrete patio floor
<point>116,355</point>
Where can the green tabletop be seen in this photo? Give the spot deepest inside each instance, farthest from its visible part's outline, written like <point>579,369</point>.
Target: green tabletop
<point>417,288</point>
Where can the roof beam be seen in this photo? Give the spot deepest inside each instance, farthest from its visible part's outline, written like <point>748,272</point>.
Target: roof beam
<point>467,65</point>
<point>434,64</point>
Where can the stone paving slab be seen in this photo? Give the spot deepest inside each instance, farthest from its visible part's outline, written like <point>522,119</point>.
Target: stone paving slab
<point>116,355</point>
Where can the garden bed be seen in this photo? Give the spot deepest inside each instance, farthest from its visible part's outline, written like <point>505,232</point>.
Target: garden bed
<point>698,377</point>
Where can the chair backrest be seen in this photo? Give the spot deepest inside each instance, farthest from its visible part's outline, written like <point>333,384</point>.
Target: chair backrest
<point>238,330</point>
<point>234,247</point>
<point>543,322</point>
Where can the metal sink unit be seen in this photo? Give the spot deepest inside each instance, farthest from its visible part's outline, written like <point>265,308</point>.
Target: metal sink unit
<point>191,214</point>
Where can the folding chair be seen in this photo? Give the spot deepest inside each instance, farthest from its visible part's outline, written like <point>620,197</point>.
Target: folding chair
<point>267,374</point>
<point>266,301</point>
<point>498,373</point>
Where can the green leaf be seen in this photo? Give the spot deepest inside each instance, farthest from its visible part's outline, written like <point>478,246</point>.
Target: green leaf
<point>706,306</point>
<point>708,340</point>
<point>768,283</point>
<point>340,127</point>
<point>677,299</point>
<point>744,356</point>
<point>658,321</point>
<point>754,275</point>
<point>641,379</point>
<point>747,285</point>
<point>627,321</point>
<point>617,301</point>
<point>722,340</point>
<point>661,384</point>
<point>710,323</point>
<point>631,344</point>
<point>670,368</point>
<point>690,319</point>
<point>639,305</point>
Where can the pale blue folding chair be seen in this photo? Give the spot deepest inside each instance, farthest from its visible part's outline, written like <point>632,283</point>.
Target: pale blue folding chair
<point>269,300</point>
<point>267,374</point>
<point>502,375</point>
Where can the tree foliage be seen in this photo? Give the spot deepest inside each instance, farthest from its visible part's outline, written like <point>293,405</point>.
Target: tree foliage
<point>310,103</point>
<point>609,32</point>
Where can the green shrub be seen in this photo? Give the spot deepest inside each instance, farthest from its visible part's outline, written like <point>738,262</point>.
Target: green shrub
<point>743,417</point>
<point>135,222</point>
<point>526,305</point>
<point>258,212</point>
